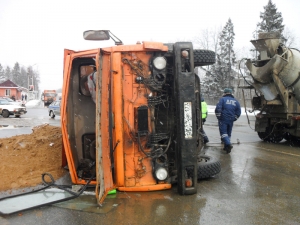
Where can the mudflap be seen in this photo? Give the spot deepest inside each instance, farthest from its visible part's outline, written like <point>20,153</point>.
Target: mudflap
<point>186,137</point>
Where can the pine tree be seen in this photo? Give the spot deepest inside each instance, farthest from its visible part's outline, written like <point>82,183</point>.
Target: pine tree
<point>211,85</point>
<point>227,54</point>
<point>2,74</point>
<point>7,73</point>
<point>219,76</point>
<point>16,74</point>
<point>24,77</point>
<point>271,20</point>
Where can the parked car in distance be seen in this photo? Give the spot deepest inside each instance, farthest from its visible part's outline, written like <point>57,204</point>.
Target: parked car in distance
<point>20,103</point>
<point>54,109</point>
<point>7,109</point>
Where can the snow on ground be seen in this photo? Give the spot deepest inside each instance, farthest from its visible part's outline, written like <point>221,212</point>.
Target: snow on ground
<point>211,110</point>
<point>32,103</point>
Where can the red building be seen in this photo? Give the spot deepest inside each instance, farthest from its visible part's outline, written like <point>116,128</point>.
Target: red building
<point>10,89</point>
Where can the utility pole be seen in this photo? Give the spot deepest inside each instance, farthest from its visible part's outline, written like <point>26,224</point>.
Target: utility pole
<point>31,86</point>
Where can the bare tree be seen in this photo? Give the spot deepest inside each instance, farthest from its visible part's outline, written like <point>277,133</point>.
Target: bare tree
<point>290,38</point>
<point>208,38</point>
<point>203,39</point>
<point>244,52</point>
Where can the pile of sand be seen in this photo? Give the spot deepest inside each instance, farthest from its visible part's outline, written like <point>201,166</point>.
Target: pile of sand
<point>24,158</point>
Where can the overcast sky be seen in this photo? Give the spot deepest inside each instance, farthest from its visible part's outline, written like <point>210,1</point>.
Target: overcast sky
<point>36,32</point>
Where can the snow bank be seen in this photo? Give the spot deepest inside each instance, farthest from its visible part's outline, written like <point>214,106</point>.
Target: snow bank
<point>32,103</point>
<point>211,110</point>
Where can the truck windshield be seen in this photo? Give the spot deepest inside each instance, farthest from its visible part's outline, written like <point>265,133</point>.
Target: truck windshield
<point>50,94</point>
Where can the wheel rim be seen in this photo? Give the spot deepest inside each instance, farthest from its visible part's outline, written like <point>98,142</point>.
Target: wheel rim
<point>5,114</point>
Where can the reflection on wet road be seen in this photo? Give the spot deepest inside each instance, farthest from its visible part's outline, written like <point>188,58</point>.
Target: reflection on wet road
<point>34,117</point>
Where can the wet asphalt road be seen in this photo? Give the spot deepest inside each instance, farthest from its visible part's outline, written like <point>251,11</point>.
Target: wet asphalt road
<point>35,116</point>
<point>259,184</point>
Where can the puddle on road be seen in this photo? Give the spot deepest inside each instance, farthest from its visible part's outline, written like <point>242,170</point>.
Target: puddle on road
<point>13,130</point>
<point>13,127</point>
<point>88,203</point>
<point>7,131</point>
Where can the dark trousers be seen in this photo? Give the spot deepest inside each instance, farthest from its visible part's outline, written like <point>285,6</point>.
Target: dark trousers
<point>225,128</point>
<point>205,138</point>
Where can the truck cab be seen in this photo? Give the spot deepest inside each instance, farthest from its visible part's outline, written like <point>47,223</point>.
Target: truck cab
<point>131,116</point>
<point>48,96</point>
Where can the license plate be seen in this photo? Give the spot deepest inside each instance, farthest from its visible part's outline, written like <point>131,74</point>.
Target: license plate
<point>188,126</point>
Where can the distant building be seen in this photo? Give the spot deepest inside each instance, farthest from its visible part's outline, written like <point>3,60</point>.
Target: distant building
<point>11,90</point>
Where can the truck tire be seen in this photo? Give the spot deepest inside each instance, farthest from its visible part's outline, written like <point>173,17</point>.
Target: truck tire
<point>52,114</point>
<point>5,113</point>
<point>271,135</point>
<point>263,136</point>
<point>204,57</point>
<point>207,167</point>
<point>294,141</point>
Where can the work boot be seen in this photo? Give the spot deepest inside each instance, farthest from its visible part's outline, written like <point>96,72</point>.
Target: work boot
<point>228,148</point>
<point>205,140</point>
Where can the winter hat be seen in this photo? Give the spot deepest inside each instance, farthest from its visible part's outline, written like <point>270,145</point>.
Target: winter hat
<point>228,90</point>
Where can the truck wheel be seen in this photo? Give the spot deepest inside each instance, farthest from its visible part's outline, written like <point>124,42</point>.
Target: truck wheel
<point>294,141</point>
<point>207,167</point>
<point>5,113</point>
<point>272,134</point>
<point>275,138</point>
<point>204,57</point>
<point>287,136</point>
<point>263,136</point>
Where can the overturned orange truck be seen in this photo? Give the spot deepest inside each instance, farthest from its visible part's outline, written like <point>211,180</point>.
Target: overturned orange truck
<point>131,116</point>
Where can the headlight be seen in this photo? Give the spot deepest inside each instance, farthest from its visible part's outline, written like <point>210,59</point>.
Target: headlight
<point>160,63</point>
<point>161,173</point>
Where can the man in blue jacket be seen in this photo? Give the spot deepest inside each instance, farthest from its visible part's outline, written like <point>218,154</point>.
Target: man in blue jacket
<point>227,111</point>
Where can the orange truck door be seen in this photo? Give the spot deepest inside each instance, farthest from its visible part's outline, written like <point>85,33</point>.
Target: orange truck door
<point>104,182</point>
<point>103,161</point>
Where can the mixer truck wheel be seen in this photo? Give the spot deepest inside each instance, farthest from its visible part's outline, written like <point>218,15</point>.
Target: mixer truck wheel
<point>275,138</point>
<point>263,136</point>
<point>276,133</point>
<point>204,57</point>
<point>294,141</point>
<point>273,135</point>
<point>287,136</point>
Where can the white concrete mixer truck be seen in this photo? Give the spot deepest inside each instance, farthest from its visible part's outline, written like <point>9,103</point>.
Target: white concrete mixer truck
<point>275,76</point>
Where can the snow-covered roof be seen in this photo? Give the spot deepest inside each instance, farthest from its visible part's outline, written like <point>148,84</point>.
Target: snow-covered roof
<point>8,83</point>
